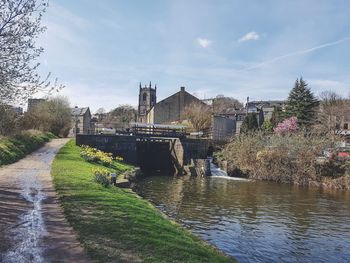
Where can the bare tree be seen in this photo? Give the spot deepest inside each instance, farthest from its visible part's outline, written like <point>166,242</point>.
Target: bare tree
<point>9,120</point>
<point>221,104</point>
<point>20,26</point>
<point>120,117</point>
<point>53,115</point>
<point>333,109</point>
<point>199,115</point>
<point>101,111</point>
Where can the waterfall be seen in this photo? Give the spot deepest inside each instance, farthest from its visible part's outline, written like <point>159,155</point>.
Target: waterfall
<point>217,172</point>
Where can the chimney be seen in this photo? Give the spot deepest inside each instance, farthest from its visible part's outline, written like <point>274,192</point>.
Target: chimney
<point>182,89</point>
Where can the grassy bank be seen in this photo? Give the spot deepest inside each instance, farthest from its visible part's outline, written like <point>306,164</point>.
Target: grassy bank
<point>115,225</point>
<point>14,148</point>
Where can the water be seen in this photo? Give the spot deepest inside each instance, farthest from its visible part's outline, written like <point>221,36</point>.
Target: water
<point>28,232</point>
<point>217,172</point>
<point>257,221</point>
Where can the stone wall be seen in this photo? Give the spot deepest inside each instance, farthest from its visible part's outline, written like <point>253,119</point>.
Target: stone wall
<point>172,108</point>
<point>223,128</point>
<point>157,153</point>
<point>195,149</point>
<point>120,145</point>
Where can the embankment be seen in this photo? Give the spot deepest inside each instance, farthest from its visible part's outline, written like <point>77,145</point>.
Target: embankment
<point>116,225</point>
<point>14,148</point>
<point>286,159</point>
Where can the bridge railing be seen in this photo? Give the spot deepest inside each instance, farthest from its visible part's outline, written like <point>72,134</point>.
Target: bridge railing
<point>159,131</point>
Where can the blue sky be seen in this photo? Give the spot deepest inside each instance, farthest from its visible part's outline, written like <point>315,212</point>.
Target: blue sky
<point>101,50</point>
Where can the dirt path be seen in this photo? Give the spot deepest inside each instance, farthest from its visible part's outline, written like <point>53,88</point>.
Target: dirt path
<point>32,225</point>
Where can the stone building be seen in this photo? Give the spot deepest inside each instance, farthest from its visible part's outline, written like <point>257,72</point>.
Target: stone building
<point>147,99</point>
<point>168,110</point>
<point>171,109</point>
<point>267,107</point>
<point>32,103</point>
<point>81,119</point>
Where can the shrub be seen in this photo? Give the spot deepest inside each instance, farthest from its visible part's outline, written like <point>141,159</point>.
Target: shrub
<point>102,176</point>
<point>287,126</point>
<point>267,126</point>
<point>241,153</point>
<point>282,159</point>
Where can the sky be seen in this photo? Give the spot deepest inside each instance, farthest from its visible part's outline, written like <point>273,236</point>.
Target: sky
<point>101,50</point>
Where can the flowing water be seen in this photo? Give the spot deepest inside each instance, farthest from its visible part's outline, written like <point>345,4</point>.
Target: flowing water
<point>256,221</point>
<point>28,232</point>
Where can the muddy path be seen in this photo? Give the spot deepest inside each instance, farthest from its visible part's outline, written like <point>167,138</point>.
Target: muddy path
<point>32,225</point>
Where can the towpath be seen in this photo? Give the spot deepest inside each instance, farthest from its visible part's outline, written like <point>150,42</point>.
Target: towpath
<point>32,225</point>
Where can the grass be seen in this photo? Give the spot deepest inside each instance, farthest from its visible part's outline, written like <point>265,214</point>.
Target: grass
<point>14,148</point>
<point>116,225</point>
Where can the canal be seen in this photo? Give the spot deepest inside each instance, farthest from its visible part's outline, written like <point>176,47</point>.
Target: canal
<point>256,221</point>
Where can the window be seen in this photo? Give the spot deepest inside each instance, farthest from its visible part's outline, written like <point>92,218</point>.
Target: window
<point>144,96</point>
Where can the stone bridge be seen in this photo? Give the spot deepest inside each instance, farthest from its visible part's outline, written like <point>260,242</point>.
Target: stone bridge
<point>164,154</point>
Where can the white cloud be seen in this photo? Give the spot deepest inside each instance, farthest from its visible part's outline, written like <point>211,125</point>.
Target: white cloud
<point>204,43</point>
<point>249,36</point>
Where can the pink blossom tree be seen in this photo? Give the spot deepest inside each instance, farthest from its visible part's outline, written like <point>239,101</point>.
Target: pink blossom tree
<point>287,126</point>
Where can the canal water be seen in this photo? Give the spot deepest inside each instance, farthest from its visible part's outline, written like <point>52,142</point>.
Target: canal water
<point>256,221</point>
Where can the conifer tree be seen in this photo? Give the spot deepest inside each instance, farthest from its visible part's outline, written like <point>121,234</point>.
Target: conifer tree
<point>250,123</point>
<point>302,104</point>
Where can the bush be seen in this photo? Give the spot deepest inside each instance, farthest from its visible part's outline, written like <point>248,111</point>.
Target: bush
<point>102,176</point>
<point>288,126</point>
<point>289,159</point>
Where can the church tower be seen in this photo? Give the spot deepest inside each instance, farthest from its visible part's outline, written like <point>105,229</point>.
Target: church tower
<point>147,99</point>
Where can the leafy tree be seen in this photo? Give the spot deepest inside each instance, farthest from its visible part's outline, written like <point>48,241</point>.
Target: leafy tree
<point>301,103</point>
<point>250,123</point>
<point>20,26</point>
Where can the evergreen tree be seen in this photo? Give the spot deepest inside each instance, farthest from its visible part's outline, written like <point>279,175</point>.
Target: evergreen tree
<point>250,123</point>
<point>301,103</point>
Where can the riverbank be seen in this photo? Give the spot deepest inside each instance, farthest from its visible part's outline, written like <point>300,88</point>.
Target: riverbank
<point>14,148</point>
<point>115,224</point>
<point>295,159</point>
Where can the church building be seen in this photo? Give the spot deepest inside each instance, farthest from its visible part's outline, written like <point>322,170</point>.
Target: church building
<point>147,99</point>
<point>168,110</point>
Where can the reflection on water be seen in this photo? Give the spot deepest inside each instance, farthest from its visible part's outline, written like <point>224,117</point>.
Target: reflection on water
<point>257,221</point>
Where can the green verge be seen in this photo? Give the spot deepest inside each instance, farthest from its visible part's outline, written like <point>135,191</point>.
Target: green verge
<point>14,148</point>
<point>116,225</point>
